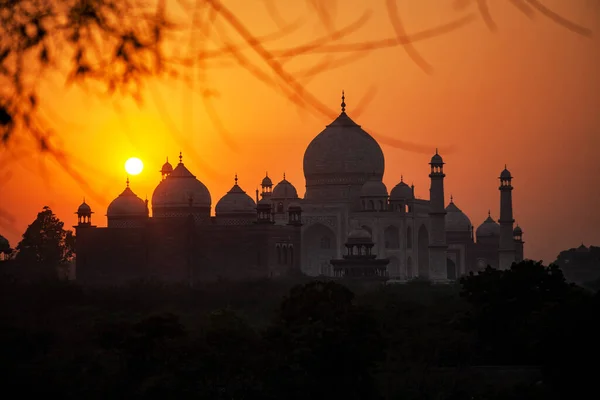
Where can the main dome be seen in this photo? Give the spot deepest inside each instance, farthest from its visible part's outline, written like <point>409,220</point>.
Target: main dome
<point>343,153</point>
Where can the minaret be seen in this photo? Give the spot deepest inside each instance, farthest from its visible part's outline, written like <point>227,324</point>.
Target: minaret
<point>518,238</point>
<point>506,249</point>
<point>437,221</point>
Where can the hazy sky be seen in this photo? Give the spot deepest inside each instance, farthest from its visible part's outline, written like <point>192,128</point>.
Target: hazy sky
<point>526,95</point>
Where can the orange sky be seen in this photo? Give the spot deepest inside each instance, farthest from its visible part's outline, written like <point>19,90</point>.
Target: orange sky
<point>527,95</point>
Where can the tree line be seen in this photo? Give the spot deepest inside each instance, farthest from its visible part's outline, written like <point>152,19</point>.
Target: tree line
<point>309,338</point>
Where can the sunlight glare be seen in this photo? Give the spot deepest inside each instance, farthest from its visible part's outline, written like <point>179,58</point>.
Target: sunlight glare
<point>134,166</point>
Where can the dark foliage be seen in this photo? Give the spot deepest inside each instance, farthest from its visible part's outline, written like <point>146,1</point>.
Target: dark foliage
<point>46,245</point>
<point>316,339</point>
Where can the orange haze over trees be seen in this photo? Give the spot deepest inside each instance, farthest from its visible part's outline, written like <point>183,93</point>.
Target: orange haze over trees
<point>242,87</point>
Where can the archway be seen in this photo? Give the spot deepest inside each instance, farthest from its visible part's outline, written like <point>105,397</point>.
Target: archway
<point>450,269</point>
<point>423,252</point>
<point>392,237</point>
<point>319,246</point>
<point>394,267</point>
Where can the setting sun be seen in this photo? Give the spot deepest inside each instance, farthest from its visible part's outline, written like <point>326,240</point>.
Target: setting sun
<point>134,166</point>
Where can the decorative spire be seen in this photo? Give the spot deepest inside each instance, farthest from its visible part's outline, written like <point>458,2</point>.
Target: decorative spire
<point>83,199</point>
<point>401,178</point>
<point>284,176</point>
<point>436,151</point>
<point>489,214</point>
<point>167,158</point>
<point>127,181</point>
<point>451,199</point>
<point>180,158</point>
<point>267,174</point>
<point>236,179</point>
<point>343,102</point>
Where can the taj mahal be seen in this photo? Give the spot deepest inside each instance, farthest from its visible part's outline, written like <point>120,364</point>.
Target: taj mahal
<point>347,225</point>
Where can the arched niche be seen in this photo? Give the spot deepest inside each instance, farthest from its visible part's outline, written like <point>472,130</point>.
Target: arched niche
<point>423,251</point>
<point>451,269</point>
<point>394,267</point>
<point>319,247</point>
<point>391,236</point>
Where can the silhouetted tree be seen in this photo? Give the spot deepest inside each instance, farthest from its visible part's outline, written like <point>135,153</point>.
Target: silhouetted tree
<point>46,245</point>
<point>511,308</point>
<point>319,334</point>
<point>5,250</point>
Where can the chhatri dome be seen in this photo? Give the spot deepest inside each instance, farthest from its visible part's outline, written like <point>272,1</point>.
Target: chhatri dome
<point>236,201</point>
<point>456,220</point>
<point>127,204</point>
<point>85,208</point>
<point>401,191</point>
<point>179,191</point>
<point>342,154</point>
<point>284,190</point>
<point>266,182</point>
<point>488,228</point>
<point>374,187</point>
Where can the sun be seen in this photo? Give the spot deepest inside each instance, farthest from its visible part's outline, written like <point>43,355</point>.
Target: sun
<point>134,166</point>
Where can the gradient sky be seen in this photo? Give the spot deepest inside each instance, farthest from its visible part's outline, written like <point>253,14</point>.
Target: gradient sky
<point>526,95</point>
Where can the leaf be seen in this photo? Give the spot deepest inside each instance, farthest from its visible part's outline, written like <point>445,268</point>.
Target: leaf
<point>5,117</point>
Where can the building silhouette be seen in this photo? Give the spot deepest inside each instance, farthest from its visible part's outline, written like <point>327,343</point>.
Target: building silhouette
<point>347,224</point>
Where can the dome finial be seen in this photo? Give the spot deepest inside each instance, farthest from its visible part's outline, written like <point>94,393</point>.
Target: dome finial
<point>180,158</point>
<point>284,176</point>
<point>167,158</point>
<point>451,199</point>
<point>236,179</point>
<point>343,102</point>
<point>83,199</point>
<point>401,178</point>
<point>267,174</point>
<point>436,151</point>
<point>127,181</point>
<point>489,214</point>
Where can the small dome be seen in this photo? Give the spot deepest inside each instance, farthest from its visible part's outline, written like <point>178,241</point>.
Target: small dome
<point>167,167</point>
<point>517,231</point>
<point>401,191</point>
<point>489,227</point>
<point>127,204</point>
<point>505,174</point>
<point>84,208</point>
<point>436,159</point>
<point>266,182</point>
<point>373,188</point>
<point>359,233</point>
<point>284,190</point>
<point>178,188</point>
<point>456,220</point>
<point>236,201</point>
<point>294,206</point>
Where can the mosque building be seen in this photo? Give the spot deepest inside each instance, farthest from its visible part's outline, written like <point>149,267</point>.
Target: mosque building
<point>346,225</point>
